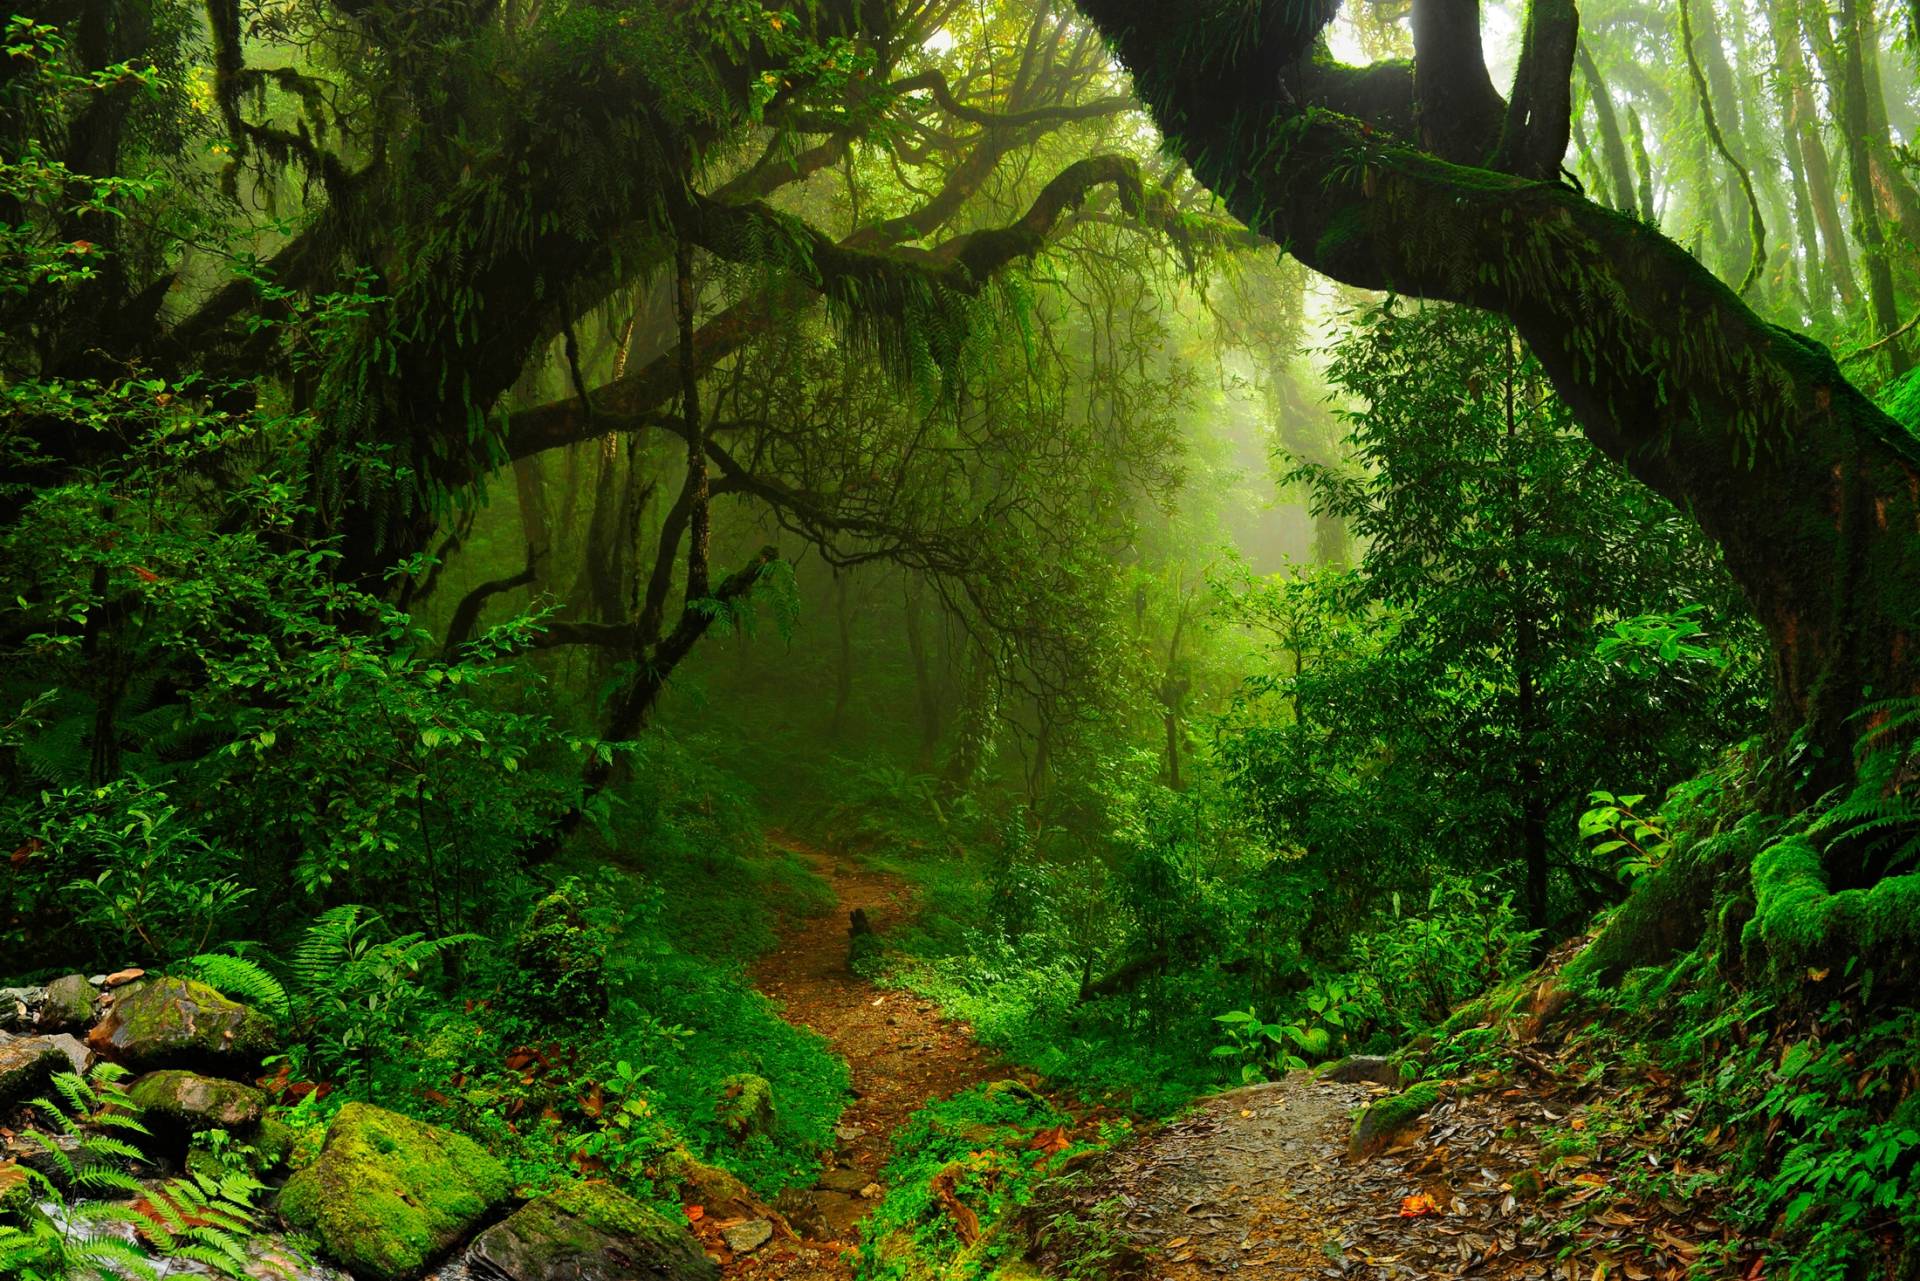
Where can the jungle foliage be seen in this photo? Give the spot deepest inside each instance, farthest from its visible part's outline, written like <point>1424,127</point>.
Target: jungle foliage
<point>1272,536</point>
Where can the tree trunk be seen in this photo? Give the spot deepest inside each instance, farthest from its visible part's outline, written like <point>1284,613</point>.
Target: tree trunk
<point>1855,126</point>
<point>1789,67</point>
<point>1613,147</point>
<point>926,690</point>
<point>843,665</point>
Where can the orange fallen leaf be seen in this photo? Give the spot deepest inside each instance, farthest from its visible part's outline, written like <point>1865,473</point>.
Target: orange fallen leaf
<point>1418,1206</point>
<point>1050,1140</point>
<point>695,1213</point>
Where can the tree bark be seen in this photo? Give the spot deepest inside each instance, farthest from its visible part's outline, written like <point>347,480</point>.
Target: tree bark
<point>1855,127</point>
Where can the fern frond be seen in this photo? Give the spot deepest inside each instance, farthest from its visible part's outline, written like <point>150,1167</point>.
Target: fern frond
<point>243,980</point>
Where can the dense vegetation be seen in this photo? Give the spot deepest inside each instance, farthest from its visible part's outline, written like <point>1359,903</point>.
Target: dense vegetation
<point>1292,552</point>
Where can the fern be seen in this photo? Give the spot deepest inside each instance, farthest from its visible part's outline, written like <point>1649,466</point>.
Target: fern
<point>243,980</point>
<point>194,1219</point>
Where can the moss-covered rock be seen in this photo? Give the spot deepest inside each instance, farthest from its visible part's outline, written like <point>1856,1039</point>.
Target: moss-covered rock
<point>389,1194</point>
<point>563,959</point>
<point>18,1192</point>
<point>745,1109</point>
<point>1380,1123</point>
<point>273,1141</point>
<point>1361,1069</point>
<point>69,1004</point>
<point>27,1063</point>
<point>195,1102</point>
<point>589,1232</point>
<point>182,1023</point>
<point>720,1193</point>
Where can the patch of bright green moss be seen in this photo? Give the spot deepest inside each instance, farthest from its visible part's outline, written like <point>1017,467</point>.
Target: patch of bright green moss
<point>389,1193</point>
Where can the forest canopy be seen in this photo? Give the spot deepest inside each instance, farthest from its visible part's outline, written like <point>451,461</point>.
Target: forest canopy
<point>1311,546</point>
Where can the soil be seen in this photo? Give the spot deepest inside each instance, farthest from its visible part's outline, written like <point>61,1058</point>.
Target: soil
<point>902,1053</point>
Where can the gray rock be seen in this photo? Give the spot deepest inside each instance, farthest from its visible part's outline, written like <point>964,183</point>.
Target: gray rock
<point>745,1238</point>
<point>847,1180</point>
<point>69,1004</point>
<point>587,1232</point>
<point>74,1048</point>
<point>1363,1069</point>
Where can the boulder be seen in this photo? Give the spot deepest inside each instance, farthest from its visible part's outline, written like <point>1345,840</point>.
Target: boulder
<point>78,1055</point>
<point>745,1238</point>
<point>194,1102</point>
<point>69,1004</point>
<point>587,1232</point>
<point>389,1194</point>
<point>182,1023</point>
<point>27,1063</point>
<point>1381,1123</point>
<point>746,1107</point>
<point>1363,1069</point>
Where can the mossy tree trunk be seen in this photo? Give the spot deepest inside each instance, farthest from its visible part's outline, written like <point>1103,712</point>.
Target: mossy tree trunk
<point>1812,492</point>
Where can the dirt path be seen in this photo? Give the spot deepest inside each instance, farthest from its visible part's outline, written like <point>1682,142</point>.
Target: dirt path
<point>901,1052</point>
<point>1254,1183</point>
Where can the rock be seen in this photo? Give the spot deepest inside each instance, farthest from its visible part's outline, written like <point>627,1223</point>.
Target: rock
<point>18,1194</point>
<point>1008,1087</point>
<point>182,1023</point>
<point>69,1003</point>
<point>27,1063</point>
<point>1363,1069</point>
<point>1380,1123</point>
<point>194,1102</point>
<point>273,1141</point>
<point>872,1192</point>
<point>20,1006</point>
<point>587,1232</point>
<point>805,1213</point>
<point>745,1238</point>
<point>721,1194</point>
<point>847,1181</point>
<point>76,1051</point>
<point>746,1106</point>
<point>848,1133</point>
<point>120,978</point>
<point>388,1194</point>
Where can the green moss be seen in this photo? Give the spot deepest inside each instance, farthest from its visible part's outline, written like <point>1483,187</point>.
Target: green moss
<point>1527,1185</point>
<point>182,1021</point>
<point>590,1229</point>
<point>389,1193</point>
<point>1380,1122</point>
<point>746,1106</point>
<point>1798,923</point>
<point>197,1102</point>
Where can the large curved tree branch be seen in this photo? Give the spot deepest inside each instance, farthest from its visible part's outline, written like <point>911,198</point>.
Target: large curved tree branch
<point>1812,493</point>
<point>876,281</point>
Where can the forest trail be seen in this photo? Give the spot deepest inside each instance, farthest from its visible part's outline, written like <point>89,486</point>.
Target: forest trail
<point>1255,1183</point>
<point>900,1050</point>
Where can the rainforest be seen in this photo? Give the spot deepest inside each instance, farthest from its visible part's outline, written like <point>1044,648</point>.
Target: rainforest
<point>959,640</point>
